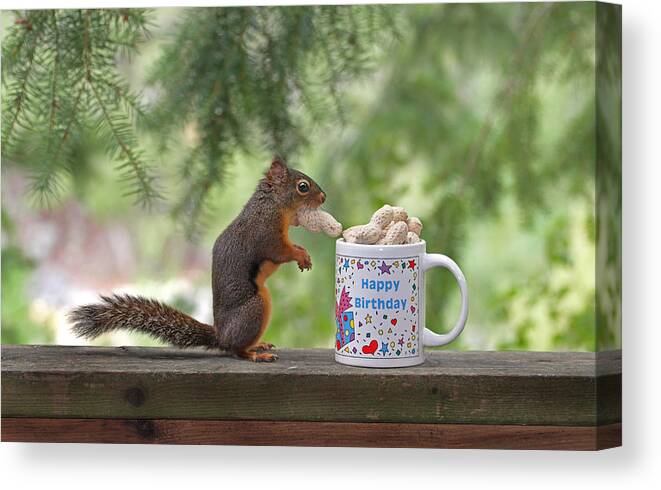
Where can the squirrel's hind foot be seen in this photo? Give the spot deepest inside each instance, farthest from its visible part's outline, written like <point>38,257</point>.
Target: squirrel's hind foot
<point>254,356</point>
<point>265,357</point>
<point>263,346</point>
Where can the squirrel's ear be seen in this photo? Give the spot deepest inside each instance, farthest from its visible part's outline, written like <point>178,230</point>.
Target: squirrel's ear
<point>278,170</point>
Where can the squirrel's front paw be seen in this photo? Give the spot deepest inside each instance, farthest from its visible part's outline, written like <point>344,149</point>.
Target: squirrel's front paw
<point>305,262</point>
<point>302,257</point>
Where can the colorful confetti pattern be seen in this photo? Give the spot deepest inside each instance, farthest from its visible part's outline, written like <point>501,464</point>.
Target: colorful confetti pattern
<point>368,332</point>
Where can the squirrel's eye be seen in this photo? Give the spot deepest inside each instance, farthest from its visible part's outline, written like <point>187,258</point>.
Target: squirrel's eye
<point>303,187</point>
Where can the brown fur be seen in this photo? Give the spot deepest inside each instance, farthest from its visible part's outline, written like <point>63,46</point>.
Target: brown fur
<point>245,254</point>
<point>134,313</point>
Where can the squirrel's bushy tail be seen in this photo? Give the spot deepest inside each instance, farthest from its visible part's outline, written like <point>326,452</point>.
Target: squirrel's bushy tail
<point>134,313</point>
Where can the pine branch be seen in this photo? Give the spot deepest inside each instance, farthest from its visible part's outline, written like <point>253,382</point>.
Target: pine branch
<point>245,78</point>
<point>20,95</point>
<point>143,189</point>
<point>58,72</point>
<point>54,75</point>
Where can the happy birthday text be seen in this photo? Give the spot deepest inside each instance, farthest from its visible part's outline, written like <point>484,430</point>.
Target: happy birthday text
<point>380,303</point>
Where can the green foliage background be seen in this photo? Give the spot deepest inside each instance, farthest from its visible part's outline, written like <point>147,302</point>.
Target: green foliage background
<point>479,119</point>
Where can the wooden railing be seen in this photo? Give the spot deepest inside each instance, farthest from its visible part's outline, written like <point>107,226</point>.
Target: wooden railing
<point>519,400</point>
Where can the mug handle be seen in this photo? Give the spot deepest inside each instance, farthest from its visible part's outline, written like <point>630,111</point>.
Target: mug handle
<point>432,339</point>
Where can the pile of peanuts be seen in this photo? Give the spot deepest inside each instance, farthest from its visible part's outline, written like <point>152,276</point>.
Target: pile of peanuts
<point>390,225</point>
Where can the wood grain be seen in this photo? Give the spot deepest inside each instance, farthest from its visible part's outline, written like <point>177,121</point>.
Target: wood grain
<point>497,388</point>
<point>260,433</point>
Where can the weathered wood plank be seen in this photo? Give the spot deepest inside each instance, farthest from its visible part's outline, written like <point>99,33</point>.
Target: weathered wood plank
<point>500,388</point>
<point>346,434</point>
<point>307,361</point>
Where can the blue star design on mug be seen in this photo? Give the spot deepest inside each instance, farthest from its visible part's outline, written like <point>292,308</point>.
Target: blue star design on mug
<point>346,264</point>
<point>384,348</point>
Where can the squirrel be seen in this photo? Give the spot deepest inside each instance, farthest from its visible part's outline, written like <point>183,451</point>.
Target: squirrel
<point>244,255</point>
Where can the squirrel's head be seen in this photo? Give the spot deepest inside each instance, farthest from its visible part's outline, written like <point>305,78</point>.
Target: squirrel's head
<point>291,187</point>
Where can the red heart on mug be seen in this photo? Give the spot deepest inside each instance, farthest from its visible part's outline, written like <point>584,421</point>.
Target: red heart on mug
<point>393,321</point>
<point>412,309</point>
<point>371,348</point>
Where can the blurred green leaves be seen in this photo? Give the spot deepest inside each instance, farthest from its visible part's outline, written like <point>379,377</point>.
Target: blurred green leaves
<point>480,120</point>
<point>17,325</point>
<point>486,105</point>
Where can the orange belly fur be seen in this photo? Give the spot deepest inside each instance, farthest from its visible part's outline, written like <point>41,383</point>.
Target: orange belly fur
<point>265,270</point>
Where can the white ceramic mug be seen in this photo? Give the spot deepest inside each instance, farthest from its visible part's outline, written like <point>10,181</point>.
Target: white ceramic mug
<point>380,304</point>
